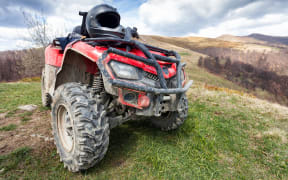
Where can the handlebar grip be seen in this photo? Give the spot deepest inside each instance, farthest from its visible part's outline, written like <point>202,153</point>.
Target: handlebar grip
<point>135,33</point>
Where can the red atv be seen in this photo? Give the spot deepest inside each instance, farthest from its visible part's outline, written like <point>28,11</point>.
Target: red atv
<point>99,77</point>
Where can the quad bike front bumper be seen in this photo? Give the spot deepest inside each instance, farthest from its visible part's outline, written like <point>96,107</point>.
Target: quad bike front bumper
<point>153,101</point>
<point>129,85</point>
<point>148,100</point>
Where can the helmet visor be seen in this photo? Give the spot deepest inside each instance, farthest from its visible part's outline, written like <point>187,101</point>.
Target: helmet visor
<point>108,19</point>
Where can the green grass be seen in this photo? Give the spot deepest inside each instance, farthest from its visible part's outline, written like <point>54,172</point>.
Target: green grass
<point>13,95</point>
<point>12,161</point>
<point>184,54</point>
<point>9,127</point>
<point>225,136</point>
<point>217,141</point>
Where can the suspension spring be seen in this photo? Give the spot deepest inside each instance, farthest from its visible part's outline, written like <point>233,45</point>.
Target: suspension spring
<point>97,85</point>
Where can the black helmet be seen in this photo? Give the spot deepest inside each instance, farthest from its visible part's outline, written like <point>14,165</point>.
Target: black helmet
<point>104,20</point>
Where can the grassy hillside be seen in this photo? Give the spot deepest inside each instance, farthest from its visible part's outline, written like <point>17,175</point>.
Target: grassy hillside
<point>191,58</point>
<point>227,135</point>
<point>263,57</point>
<point>230,42</point>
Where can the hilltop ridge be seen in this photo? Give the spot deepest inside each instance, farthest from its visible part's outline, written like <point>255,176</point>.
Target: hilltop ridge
<point>256,38</point>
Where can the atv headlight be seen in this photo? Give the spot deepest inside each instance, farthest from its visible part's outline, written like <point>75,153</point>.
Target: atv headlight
<point>124,71</point>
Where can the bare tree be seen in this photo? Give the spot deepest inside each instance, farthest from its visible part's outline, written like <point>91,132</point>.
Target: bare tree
<point>38,29</point>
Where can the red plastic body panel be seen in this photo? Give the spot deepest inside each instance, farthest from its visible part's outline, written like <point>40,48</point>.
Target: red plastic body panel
<point>53,56</point>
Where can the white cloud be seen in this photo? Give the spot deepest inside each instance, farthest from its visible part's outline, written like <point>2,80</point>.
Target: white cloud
<point>7,44</point>
<point>271,24</point>
<point>65,17</point>
<point>182,16</point>
<point>23,44</point>
<point>13,38</point>
<point>131,19</point>
<point>166,17</point>
<point>10,33</point>
<point>213,17</point>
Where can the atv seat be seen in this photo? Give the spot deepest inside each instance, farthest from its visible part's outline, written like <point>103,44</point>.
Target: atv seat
<point>63,41</point>
<point>77,30</point>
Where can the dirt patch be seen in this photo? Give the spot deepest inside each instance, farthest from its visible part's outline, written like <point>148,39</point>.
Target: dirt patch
<point>35,133</point>
<point>2,115</point>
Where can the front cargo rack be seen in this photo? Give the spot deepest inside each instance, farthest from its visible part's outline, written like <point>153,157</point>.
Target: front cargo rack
<point>151,59</point>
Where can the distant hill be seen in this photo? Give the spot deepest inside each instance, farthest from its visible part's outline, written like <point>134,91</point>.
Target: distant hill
<point>261,54</point>
<point>242,39</point>
<point>270,39</point>
<point>255,38</point>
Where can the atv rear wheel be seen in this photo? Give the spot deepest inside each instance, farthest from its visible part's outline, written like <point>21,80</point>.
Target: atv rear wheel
<point>172,120</point>
<point>46,98</point>
<point>80,127</point>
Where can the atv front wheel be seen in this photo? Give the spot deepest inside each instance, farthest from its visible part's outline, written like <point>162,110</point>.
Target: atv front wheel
<point>172,120</point>
<point>80,127</point>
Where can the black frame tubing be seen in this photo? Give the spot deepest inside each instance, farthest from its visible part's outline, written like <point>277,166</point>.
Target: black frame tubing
<point>151,59</point>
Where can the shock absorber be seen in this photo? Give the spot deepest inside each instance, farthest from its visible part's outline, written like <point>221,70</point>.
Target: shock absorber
<point>96,83</point>
<point>97,87</point>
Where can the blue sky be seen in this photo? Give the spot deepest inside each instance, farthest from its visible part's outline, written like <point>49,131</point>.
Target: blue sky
<point>209,18</point>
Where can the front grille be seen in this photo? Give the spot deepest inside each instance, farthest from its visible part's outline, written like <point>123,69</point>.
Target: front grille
<point>151,76</point>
